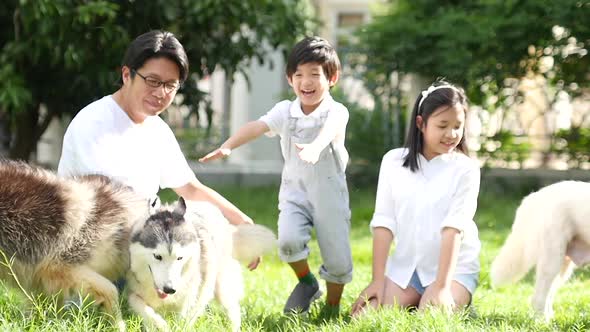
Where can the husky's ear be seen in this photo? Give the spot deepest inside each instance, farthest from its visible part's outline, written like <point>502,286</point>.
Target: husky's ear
<point>154,205</point>
<point>180,206</point>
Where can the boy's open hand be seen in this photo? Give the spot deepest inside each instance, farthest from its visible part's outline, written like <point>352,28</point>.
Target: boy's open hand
<point>215,154</point>
<point>308,152</point>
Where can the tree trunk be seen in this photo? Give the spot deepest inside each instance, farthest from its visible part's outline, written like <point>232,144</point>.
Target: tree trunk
<point>4,134</point>
<point>226,116</point>
<point>26,134</point>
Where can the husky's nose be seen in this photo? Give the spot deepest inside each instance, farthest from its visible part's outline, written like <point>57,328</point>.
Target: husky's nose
<point>169,290</point>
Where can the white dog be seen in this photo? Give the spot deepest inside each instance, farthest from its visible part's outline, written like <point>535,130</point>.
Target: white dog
<point>181,257</point>
<point>552,231</point>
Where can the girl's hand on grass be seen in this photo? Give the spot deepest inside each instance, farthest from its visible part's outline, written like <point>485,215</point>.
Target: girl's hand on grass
<point>371,295</point>
<point>215,154</point>
<point>438,296</point>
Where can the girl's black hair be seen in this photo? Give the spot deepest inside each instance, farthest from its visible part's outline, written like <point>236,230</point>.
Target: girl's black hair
<point>448,96</point>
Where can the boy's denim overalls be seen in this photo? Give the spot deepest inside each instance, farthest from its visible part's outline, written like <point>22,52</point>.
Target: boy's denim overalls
<point>314,196</point>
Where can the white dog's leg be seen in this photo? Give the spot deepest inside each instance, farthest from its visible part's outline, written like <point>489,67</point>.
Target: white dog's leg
<point>550,267</point>
<point>566,270</point>
<point>150,317</point>
<point>209,267</point>
<point>191,310</point>
<point>232,307</point>
<point>229,291</point>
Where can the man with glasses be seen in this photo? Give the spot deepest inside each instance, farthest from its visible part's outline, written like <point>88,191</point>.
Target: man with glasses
<point>122,137</point>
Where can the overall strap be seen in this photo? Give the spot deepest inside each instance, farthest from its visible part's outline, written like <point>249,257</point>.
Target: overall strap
<point>291,126</point>
<point>333,152</point>
<point>337,160</point>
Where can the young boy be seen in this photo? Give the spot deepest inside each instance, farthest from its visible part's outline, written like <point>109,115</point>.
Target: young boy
<point>313,191</point>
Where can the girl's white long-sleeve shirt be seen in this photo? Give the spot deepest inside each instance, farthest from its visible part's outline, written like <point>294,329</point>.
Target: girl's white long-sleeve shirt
<point>416,206</point>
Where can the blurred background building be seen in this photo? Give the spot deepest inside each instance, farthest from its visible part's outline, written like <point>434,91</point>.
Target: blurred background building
<point>249,98</point>
<point>503,138</point>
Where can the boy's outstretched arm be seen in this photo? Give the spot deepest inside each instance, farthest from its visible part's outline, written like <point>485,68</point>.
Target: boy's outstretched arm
<point>245,134</point>
<point>334,124</point>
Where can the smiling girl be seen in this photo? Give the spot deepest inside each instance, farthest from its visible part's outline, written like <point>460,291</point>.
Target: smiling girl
<point>426,199</point>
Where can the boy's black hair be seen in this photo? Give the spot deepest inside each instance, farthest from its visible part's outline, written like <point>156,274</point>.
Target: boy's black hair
<point>448,96</point>
<point>156,44</point>
<point>314,49</point>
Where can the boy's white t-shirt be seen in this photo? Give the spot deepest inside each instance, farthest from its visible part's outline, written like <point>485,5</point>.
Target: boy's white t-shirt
<point>416,206</point>
<point>278,117</point>
<point>102,139</point>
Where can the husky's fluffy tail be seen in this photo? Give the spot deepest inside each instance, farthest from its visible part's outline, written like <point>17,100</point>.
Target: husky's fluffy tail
<point>251,241</point>
<point>516,257</point>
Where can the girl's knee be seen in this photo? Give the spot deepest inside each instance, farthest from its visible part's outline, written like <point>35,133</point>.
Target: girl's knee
<point>397,296</point>
<point>461,295</point>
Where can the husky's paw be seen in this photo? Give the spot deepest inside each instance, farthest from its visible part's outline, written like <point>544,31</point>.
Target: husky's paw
<point>235,328</point>
<point>121,325</point>
<point>548,315</point>
<point>545,315</point>
<point>158,324</point>
<point>543,308</point>
<point>162,325</point>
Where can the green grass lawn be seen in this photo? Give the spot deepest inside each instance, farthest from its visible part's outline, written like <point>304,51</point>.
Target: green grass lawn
<point>268,287</point>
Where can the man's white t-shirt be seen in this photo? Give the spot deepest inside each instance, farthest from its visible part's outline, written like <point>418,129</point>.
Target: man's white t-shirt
<point>102,139</point>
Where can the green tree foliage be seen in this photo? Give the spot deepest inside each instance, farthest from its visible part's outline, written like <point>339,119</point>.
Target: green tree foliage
<point>573,144</point>
<point>486,46</point>
<point>62,54</point>
<point>473,42</point>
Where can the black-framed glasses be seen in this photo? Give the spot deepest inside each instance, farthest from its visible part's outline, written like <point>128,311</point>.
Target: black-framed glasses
<point>153,82</point>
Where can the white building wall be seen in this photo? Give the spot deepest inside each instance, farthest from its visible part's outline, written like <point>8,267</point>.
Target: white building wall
<point>329,12</point>
<point>261,161</point>
<point>267,87</point>
<point>50,144</point>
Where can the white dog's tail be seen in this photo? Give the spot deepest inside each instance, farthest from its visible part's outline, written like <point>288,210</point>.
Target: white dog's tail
<point>514,259</point>
<point>251,241</point>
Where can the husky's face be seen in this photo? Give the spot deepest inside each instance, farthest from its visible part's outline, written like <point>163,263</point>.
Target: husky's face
<point>163,248</point>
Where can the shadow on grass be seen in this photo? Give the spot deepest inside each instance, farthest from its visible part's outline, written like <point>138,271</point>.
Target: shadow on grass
<point>530,322</point>
<point>313,320</point>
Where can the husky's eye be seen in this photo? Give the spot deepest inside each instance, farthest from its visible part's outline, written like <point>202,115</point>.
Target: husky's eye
<point>158,257</point>
<point>179,258</point>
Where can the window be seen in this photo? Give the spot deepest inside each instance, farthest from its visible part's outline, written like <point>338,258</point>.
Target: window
<point>350,20</point>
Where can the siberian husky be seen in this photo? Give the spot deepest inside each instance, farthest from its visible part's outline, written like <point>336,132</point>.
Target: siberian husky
<point>181,257</point>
